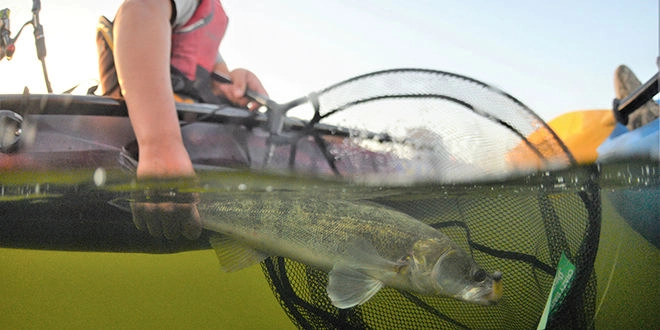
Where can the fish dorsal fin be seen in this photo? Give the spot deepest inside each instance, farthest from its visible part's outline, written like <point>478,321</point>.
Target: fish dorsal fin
<point>348,287</point>
<point>235,255</point>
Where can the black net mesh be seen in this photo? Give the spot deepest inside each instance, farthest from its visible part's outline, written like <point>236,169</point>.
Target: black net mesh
<point>446,128</point>
<point>521,235</point>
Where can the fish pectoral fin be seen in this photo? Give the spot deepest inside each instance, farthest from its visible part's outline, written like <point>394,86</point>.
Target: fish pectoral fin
<point>234,255</point>
<point>348,287</point>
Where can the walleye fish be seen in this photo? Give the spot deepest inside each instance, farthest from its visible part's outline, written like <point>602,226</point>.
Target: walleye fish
<point>362,246</point>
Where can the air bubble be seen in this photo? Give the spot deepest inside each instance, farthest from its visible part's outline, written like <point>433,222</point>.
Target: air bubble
<point>100,176</point>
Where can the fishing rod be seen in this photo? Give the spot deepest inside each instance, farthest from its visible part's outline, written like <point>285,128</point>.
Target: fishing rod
<point>7,43</point>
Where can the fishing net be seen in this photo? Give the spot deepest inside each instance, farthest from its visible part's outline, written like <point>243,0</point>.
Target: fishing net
<point>442,128</point>
<point>415,125</point>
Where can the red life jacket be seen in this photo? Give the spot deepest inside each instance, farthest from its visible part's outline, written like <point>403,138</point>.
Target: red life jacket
<point>195,49</point>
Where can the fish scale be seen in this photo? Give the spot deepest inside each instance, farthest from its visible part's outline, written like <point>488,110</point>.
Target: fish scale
<point>317,224</point>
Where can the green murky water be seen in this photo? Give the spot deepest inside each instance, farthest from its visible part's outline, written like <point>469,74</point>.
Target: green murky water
<point>627,268</point>
<point>82,290</point>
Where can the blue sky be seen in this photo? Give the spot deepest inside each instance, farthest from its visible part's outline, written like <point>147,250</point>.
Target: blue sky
<point>555,56</point>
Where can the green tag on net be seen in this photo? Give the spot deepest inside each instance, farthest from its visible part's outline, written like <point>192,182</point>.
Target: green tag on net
<point>561,284</point>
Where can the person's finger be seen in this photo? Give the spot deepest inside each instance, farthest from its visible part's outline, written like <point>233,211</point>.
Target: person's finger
<point>253,83</point>
<point>191,225</point>
<point>171,222</point>
<point>153,221</point>
<point>229,92</point>
<point>242,102</point>
<point>239,83</point>
<point>138,218</point>
<point>141,212</point>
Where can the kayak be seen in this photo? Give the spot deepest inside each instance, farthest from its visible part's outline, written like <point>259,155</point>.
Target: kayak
<point>72,136</point>
<point>51,132</point>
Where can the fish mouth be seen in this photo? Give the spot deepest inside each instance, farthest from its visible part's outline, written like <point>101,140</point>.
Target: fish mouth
<point>486,295</point>
<point>498,288</point>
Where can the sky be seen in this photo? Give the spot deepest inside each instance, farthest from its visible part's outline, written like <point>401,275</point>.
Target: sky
<point>554,56</point>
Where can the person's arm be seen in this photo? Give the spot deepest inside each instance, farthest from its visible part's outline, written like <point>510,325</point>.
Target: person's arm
<point>142,41</point>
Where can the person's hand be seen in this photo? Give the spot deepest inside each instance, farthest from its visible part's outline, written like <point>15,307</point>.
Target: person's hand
<point>162,206</point>
<point>166,212</point>
<point>242,79</point>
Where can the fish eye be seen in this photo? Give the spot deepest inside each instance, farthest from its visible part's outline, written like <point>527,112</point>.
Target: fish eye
<point>480,275</point>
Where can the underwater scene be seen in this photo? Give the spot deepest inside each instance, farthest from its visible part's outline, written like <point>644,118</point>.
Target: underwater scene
<point>72,257</point>
<point>401,198</point>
